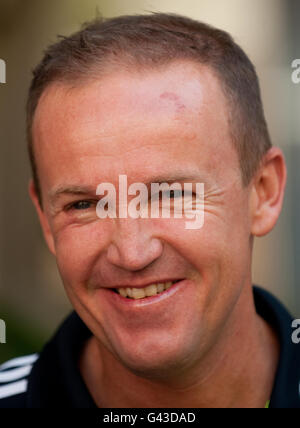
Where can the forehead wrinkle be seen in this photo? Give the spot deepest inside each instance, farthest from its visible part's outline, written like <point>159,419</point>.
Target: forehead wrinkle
<point>109,138</point>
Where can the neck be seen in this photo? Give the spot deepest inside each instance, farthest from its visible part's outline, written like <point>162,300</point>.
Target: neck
<point>238,371</point>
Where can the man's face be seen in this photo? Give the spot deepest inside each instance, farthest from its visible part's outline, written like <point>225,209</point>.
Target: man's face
<point>165,125</point>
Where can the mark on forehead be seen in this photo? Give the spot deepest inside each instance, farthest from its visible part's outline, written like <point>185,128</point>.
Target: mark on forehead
<point>170,96</point>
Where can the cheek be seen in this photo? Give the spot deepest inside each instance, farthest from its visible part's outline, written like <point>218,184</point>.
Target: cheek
<point>77,250</point>
<point>220,249</point>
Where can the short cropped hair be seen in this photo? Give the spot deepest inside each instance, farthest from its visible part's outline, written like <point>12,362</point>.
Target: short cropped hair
<point>152,41</point>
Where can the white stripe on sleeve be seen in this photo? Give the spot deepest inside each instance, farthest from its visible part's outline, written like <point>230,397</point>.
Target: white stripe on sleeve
<point>13,389</point>
<point>15,374</point>
<point>20,361</point>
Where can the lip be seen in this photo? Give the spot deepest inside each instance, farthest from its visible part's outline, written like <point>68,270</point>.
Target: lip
<point>123,302</point>
<point>160,281</point>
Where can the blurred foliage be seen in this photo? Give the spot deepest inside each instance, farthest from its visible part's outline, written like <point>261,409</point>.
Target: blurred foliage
<point>21,337</point>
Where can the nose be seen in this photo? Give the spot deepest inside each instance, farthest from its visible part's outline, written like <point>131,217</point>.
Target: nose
<point>132,246</point>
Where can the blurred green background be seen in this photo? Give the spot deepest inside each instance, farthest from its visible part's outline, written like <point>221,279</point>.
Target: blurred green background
<point>32,299</point>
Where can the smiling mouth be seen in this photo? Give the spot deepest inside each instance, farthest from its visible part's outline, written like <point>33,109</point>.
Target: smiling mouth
<point>142,293</point>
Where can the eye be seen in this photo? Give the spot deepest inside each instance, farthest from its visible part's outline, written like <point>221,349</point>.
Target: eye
<point>172,194</point>
<point>80,205</point>
<point>180,194</point>
<point>175,194</point>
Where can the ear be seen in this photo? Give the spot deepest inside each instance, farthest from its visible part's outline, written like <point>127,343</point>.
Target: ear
<point>42,217</point>
<point>267,192</point>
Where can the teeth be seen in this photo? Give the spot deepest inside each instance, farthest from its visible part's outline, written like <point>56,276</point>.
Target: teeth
<point>138,293</point>
<point>150,290</point>
<point>123,292</point>
<point>160,287</point>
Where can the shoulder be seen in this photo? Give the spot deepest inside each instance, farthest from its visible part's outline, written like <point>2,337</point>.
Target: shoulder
<point>14,376</point>
<point>286,388</point>
<point>51,378</point>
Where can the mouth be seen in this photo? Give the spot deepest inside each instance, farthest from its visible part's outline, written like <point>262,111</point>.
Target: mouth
<point>148,291</point>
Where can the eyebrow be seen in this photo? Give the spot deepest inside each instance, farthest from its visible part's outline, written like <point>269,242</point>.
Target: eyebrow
<point>55,193</point>
<point>173,178</point>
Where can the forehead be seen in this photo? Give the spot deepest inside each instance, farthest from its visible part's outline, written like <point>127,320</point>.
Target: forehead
<point>119,118</point>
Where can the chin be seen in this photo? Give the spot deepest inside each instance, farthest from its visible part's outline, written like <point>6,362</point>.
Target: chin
<point>158,369</point>
<point>155,362</point>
